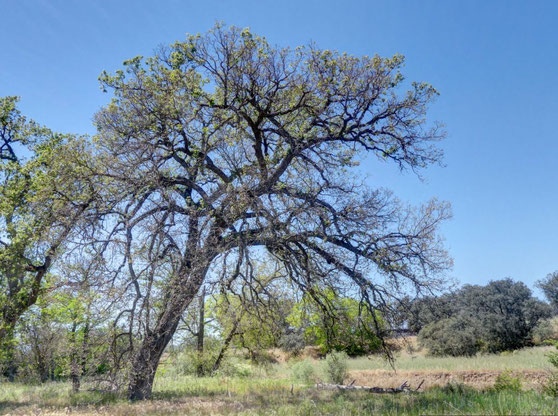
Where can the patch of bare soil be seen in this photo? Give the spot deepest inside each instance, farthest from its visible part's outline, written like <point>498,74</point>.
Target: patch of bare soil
<point>475,378</point>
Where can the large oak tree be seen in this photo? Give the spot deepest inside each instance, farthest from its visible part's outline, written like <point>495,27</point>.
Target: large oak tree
<point>222,147</point>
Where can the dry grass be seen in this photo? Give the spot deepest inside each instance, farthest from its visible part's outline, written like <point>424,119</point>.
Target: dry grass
<point>271,394</point>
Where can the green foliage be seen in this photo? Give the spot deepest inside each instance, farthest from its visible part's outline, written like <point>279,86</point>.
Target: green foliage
<point>188,361</point>
<point>42,198</point>
<point>497,317</point>
<point>506,381</point>
<point>455,336</point>
<point>546,331</point>
<point>337,324</point>
<point>549,286</point>
<point>337,366</point>
<point>303,371</point>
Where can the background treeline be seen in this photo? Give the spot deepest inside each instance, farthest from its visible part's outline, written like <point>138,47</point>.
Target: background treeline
<point>500,316</point>
<point>68,336</point>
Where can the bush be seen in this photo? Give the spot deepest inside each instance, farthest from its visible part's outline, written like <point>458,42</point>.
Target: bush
<point>292,342</point>
<point>506,382</point>
<point>235,368</point>
<point>551,385</point>
<point>454,336</point>
<point>303,371</point>
<point>336,366</point>
<point>546,330</point>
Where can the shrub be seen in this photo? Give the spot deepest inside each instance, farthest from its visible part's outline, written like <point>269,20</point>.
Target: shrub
<point>546,330</point>
<point>336,366</point>
<point>236,368</point>
<point>454,336</point>
<point>292,342</point>
<point>303,371</point>
<point>506,382</point>
<point>551,385</point>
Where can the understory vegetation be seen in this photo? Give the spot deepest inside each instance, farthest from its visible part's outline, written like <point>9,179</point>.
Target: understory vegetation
<point>282,389</point>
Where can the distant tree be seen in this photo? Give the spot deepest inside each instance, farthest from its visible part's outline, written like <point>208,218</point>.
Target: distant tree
<point>415,314</point>
<point>454,336</point>
<point>496,317</point>
<point>549,286</point>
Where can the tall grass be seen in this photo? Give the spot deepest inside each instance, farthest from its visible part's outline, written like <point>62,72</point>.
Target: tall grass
<point>265,394</point>
<point>260,397</point>
<point>525,359</point>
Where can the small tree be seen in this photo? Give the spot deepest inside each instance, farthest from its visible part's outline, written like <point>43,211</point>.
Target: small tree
<point>42,202</point>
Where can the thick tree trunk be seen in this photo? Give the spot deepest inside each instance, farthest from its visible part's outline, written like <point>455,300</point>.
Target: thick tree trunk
<point>147,357</point>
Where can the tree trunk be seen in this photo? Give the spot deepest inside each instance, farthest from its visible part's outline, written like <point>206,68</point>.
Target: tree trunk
<point>201,333</point>
<point>74,358</point>
<point>226,344</point>
<point>85,343</point>
<point>147,357</point>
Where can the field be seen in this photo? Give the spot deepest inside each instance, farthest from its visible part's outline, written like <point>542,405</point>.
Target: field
<point>451,386</point>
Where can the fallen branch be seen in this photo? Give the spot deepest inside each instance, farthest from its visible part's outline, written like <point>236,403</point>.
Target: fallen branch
<point>403,388</point>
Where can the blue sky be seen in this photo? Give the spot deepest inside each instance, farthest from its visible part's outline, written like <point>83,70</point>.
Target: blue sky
<point>495,64</point>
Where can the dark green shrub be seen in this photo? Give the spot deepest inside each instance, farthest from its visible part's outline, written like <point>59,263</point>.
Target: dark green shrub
<point>454,336</point>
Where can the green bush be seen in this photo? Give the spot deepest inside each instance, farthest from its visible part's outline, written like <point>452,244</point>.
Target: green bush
<point>551,385</point>
<point>455,336</point>
<point>336,366</point>
<point>236,368</point>
<point>303,371</point>
<point>502,315</point>
<point>506,382</point>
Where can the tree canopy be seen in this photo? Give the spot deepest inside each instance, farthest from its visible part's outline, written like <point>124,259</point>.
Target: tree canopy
<point>222,146</point>
<point>42,202</point>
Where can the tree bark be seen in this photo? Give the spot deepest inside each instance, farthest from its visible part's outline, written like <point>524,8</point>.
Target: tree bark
<point>147,357</point>
<point>200,335</point>
<point>226,344</point>
<point>74,358</point>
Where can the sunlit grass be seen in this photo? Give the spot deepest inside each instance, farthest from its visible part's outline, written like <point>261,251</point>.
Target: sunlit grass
<point>268,397</point>
<point>525,359</point>
<point>275,393</point>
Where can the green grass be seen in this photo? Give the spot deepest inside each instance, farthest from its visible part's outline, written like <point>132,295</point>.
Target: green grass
<point>525,359</point>
<point>269,393</point>
<point>269,397</point>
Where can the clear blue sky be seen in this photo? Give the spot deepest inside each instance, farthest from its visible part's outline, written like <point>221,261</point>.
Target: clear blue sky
<point>495,64</point>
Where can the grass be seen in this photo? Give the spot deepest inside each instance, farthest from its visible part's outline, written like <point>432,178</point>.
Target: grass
<point>271,394</point>
<point>525,359</point>
<point>258,397</point>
